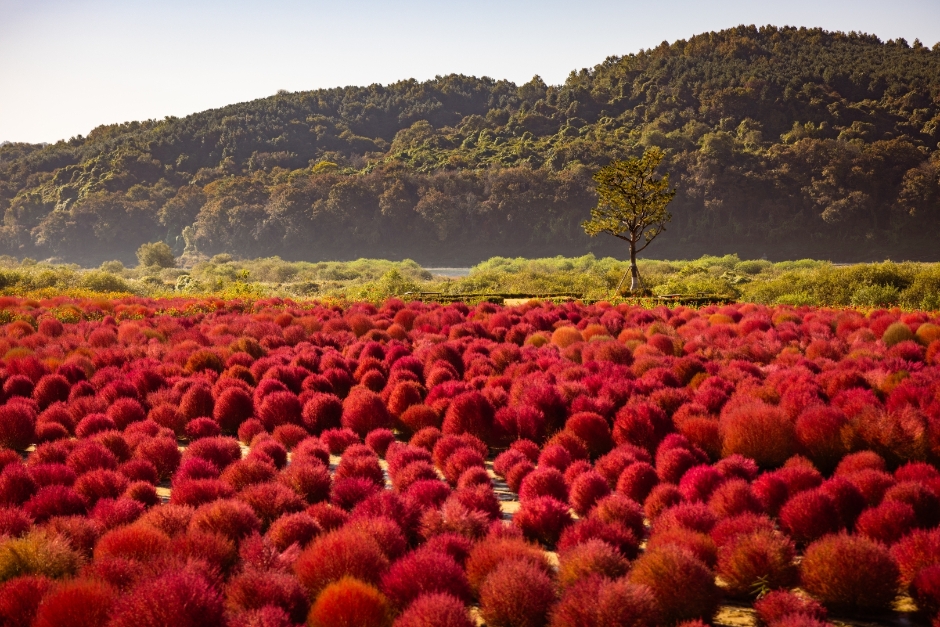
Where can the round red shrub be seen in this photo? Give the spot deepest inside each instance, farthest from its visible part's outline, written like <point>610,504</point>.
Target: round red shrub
<point>338,440</point>
<point>683,586</point>
<point>228,517</point>
<point>542,518</point>
<point>516,594</point>
<point>759,560</point>
<point>489,553</point>
<point>586,491</point>
<point>437,609</point>
<point>699,482</point>
<point>253,589</point>
<point>733,498</point>
<point>363,411</point>
<point>17,426</point>
<point>917,550</point>
<point>926,589</point>
<point>183,598</point>
<point>924,500</point>
<point>199,428</point>
<point>693,516</point>
<point>220,451</point>
<point>591,557</point>
<point>779,604</point>
<point>598,602</point>
<point>887,523</point>
<point>60,605</point>
<point>613,533</point>
<point>100,484</point>
<point>337,554</point>
<point>54,500</point>
<point>424,572</point>
<point>661,498</point>
<point>232,407</point>
<point>850,573</point>
<point>246,472</point>
<point>544,482</point>
<point>310,480</point>
<point>279,408</point>
<point>197,402</point>
<point>249,429</point>
<point>637,481</point>
<point>196,492</point>
<point>125,411</point>
<point>163,453</point>
<point>298,528</point>
<point>727,530</point>
<point>139,543</point>
<point>20,598</point>
<point>268,450</point>
<point>379,440</point>
<point>555,456</point>
<point>52,388</point>
<point>350,602</point>
<point>593,429</point>
<point>809,516</point>
<point>270,501</point>
<point>93,424</point>
<point>761,432</point>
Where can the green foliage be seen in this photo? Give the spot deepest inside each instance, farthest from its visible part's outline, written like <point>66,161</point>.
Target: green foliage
<point>783,142</point>
<point>631,200</point>
<point>37,553</point>
<point>156,254</point>
<point>100,281</point>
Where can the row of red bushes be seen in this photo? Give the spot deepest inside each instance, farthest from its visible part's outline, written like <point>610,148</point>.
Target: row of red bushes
<point>746,436</point>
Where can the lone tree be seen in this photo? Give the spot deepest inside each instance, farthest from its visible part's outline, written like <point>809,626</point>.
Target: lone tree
<point>156,254</point>
<point>631,205</point>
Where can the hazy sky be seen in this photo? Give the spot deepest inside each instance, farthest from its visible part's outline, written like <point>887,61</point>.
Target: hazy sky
<point>67,66</point>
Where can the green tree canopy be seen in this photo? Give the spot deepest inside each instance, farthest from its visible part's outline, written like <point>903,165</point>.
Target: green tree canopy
<point>631,204</point>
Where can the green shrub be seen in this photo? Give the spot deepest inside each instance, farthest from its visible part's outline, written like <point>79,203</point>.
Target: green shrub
<point>99,281</point>
<point>897,333</point>
<point>38,553</point>
<point>156,254</point>
<point>875,296</point>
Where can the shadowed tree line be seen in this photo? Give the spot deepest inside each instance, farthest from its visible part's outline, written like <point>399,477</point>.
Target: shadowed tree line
<point>781,142</point>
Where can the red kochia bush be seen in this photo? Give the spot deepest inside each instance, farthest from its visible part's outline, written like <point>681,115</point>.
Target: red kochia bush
<point>337,554</point>
<point>279,408</point>
<point>77,603</point>
<point>761,432</point>
<point>469,413</point>
<point>591,557</point>
<point>363,411</point>
<point>810,515</point>
<point>54,500</point>
<point>683,586</point>
<point>233,407</point>
<point>439,610</point>
<point>220,451</point>
<point>184,598</point>
<point>542,518</point>
<point>586,491</point>
<point>599,602</point>
<point>761,558</point>
<point>887,522</point>
<point>299,528</point>
<point>20,598</point>
<point>779,604</point>
<point>253,589</point>
<point>17,426</point>
<point>850,572</point>
<point>350,603</point>
<point>544,482</point>
<point>593,429</point>
<point>423,572</point>
<point>125,411</point>
<point>516,594</point>
<point>233,519</point>
<point>308,479</point>
<point>163,453</point>
<point>138,543</point>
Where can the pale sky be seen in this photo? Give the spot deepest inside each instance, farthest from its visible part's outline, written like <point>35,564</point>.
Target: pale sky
<point>67,66</point>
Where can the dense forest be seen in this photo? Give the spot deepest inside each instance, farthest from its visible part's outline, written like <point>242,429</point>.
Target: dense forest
<point>782,142</point>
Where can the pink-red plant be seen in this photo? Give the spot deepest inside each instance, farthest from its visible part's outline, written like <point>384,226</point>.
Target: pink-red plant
<point>516,594</point>
<point>683,586</point>
<point>849,572</point>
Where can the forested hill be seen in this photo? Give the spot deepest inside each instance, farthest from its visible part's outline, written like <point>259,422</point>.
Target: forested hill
<point>782,142</point>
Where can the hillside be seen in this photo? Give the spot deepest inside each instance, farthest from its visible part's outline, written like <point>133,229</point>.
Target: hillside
<point>782,142</point>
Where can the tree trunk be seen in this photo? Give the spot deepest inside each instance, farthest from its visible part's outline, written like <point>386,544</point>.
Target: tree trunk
<point>636,283</point>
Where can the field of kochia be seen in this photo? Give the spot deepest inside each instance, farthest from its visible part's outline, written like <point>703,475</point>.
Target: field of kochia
<point>269,463</point>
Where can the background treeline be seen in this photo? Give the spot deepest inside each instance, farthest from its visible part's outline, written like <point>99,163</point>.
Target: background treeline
<point>910,285</point>
<point>782,142</point>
